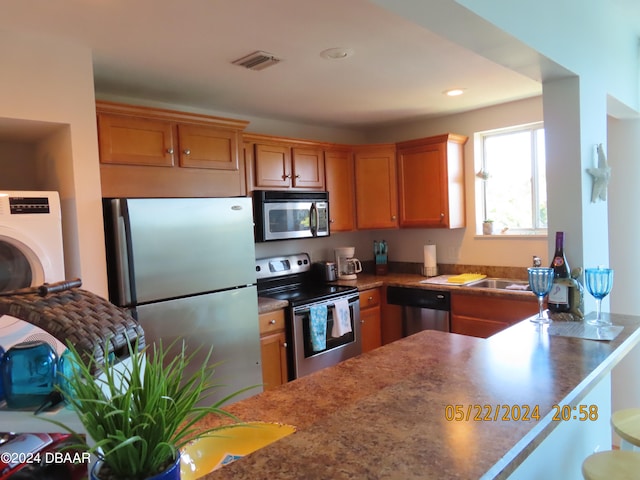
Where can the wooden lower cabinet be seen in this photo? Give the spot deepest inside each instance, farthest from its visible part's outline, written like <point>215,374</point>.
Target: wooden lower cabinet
<point>391,320</point>
<point>273,344</point>
<point>370,319</point>
<point>482,315</point>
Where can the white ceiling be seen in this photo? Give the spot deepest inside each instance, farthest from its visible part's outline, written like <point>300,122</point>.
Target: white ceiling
<point>181,52</point>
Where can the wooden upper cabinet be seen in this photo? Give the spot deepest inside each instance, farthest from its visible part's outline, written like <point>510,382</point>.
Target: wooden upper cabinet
<point>339,181</point>
<point>431,182</point>
<point>279,163</point>
<point>128,140</point>
<point>208,147</point>
<point>307,167</point>
<point>376,187</point>
<point>150,152</point>
<point>272,166</point>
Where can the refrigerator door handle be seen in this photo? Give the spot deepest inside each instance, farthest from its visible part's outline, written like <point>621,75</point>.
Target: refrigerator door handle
<point>122,239</point>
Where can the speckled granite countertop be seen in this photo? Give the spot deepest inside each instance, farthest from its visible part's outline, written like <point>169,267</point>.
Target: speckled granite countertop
<point>382,414</point>
<point>266,305</point>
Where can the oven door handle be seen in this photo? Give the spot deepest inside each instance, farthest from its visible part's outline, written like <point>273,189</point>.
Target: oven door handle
<point>313,219</point>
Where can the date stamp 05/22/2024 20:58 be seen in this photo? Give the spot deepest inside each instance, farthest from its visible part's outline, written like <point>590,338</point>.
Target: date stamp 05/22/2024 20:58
<point>518,413</point>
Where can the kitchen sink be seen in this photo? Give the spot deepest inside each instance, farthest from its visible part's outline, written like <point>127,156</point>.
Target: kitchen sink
<point>500,284</point>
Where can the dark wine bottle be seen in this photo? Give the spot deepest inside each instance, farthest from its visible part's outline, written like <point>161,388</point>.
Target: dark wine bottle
<point>559,300</point>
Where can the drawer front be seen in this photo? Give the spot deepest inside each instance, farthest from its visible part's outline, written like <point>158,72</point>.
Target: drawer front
<point>271,321</point>
<point>369,298</point>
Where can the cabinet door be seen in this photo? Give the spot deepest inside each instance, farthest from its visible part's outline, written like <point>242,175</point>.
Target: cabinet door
<point>431,182</point>
<point>422,179</point>
<point>391,320</point>
<point>370,319</point>
<point>307,167</point>
<point>274,360</point>
<point>128,140</point>
<point>482,316</point>
<point>376,188</point>
<point>272,166</point>
<point>339,175</point>
<point>475,327</point>
<point>208,147</point>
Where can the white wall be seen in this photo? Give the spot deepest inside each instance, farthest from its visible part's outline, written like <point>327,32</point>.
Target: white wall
<point>624,241</point>
<point>45,80</point>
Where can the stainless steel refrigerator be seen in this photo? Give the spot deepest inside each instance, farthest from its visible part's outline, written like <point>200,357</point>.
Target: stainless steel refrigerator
<point>185,267</point>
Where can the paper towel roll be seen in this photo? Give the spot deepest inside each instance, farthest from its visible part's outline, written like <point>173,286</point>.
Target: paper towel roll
<point>430,256</point>
<point>430,268</point>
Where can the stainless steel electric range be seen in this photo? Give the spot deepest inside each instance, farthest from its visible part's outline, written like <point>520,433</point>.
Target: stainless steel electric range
<point>290,278</point>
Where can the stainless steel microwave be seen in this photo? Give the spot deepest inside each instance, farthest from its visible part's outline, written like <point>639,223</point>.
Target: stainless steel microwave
<point>282,215</point>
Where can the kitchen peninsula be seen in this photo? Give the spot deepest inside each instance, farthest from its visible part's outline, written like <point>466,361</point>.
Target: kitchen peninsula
<point>392,412</point>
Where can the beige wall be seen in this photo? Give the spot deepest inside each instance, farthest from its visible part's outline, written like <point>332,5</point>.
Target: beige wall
<point>463,245</point>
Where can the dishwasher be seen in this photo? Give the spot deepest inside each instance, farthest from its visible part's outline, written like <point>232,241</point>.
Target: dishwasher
<point>422,309</point>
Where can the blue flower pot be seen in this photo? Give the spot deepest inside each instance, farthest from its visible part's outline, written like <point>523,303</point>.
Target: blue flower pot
<point>171,473</point>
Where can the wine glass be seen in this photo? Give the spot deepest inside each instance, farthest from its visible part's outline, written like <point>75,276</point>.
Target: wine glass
<point>599,282</point>
<point>540,281</point>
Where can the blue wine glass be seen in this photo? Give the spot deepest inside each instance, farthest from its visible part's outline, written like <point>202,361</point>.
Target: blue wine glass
<point>599,282</point>
<point>540,282</point>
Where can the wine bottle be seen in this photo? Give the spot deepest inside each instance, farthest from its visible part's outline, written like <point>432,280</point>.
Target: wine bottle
<point>559,298</point>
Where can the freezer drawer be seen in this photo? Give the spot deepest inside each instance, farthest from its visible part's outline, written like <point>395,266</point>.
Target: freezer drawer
<point>226,321</point>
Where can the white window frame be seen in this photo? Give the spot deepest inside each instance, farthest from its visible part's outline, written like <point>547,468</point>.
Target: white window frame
<point>537,229</point>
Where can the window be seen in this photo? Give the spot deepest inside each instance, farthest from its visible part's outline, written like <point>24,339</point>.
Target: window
<point>512,175</point>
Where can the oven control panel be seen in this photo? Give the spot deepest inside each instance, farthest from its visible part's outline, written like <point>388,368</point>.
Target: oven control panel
<point>272,267</point>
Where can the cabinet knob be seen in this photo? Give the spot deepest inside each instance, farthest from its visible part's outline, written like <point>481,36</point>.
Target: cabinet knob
<point>393,217</point>
<point>362,322</point>
<point>331,220</point>
<point>170,151</point>
<point>272,322</point>
<point>298,176</point>
<point>284,345</point>
<point>370,299</point>
<point>441,215</point>
<point>286,175</point>
<point>186,151</point>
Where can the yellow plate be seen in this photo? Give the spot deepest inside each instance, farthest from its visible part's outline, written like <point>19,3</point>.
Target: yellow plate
<point>206,454</point>
<point>466,278</point>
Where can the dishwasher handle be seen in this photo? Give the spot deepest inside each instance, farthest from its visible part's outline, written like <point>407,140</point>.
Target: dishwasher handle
<point>419,297</point>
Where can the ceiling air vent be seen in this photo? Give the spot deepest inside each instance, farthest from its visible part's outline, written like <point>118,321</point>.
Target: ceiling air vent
<point>257,61</point>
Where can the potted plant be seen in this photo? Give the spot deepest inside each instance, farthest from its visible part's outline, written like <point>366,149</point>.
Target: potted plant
<point>487,227</point>
<point>139,414</point>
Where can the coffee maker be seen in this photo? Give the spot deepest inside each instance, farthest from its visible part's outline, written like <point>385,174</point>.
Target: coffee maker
<point>347,265</point>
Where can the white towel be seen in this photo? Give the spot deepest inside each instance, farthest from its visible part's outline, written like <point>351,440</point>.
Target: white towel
<point>341,318</point>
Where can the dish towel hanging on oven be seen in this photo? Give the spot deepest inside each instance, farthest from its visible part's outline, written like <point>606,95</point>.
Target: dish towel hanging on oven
<point>318,327</point>
<point>341,318</point>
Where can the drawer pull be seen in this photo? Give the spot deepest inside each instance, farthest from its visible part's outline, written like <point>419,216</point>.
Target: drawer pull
<point>272,322</point>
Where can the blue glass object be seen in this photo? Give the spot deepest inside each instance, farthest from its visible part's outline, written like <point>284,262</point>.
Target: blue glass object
<point>28,374</point>
<point>66,368</point>
<point>599,282</point>
<point>540,282</point>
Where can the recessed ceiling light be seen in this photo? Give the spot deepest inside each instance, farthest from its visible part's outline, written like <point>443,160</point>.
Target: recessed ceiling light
<point>454,92</point>
<point>336,53</point>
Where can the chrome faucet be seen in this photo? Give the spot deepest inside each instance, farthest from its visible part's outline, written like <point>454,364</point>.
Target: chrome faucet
<point>537,261</point>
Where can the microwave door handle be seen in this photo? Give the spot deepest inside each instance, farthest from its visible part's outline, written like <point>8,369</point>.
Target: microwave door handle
<point>313,219</point>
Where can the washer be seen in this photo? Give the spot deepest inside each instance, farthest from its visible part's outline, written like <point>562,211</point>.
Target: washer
<point>31,254</point>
